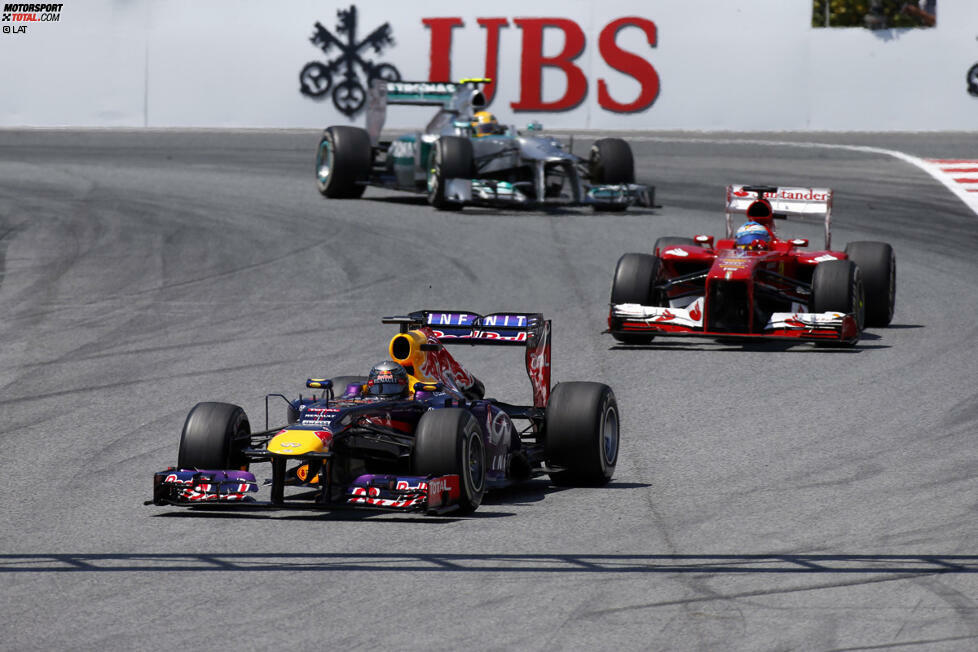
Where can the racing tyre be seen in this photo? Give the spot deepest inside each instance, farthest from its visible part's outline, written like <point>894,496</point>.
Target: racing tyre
<point>582,434</point>
<point>634,276</point>
<point>611,162</point>
<point>213,437</point>
<point>450,158</point>
<point>448,441</point>
<point>670,241</point>
<point>877,263</point>
<point>837,286</point>
<point>343,161</point>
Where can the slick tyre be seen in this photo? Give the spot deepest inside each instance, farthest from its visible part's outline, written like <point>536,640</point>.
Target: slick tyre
<point>582,434</point>
<point>877,263</point>
<point>450,158</point>
<point>213,436</point>
<point>449,441</point>
<point>837,286</point>
<point>343,161</point>
<point>670,241</point>
<point>611,162</point>
<point>634,277</point>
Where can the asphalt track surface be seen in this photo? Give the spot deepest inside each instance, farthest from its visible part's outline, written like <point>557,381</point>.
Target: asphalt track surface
<point>767,497</point>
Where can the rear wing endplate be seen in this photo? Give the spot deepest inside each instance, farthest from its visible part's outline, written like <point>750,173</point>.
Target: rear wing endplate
<point>785,202</point>
<point>526,329</point>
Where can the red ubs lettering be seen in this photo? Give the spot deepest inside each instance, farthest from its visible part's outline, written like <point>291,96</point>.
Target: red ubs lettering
<point>533,61</point>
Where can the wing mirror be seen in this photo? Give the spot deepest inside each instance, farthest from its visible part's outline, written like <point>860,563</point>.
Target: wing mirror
<point>704,240</point>
<point>800,242</point>
<point>427,387</point>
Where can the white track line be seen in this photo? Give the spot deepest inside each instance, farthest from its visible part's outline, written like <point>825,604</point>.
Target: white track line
<point>949,172</point>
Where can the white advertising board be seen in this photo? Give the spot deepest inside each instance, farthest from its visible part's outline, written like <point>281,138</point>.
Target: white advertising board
<point>575,64</point>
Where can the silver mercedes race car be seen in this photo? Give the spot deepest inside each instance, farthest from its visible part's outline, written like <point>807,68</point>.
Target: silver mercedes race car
<point>465,157</point>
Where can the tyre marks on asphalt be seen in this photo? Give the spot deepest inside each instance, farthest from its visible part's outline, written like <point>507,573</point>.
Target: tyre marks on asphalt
<point>5,237</point>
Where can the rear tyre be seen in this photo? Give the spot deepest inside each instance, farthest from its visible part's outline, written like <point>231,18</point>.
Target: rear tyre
<point>448,441</point>
<point>670,241</point>
<point>343,161</point>
<point>213,437</point>
<point>837,286</point>
<point>611,162</point>
<point>877,263</point>
<point>450,158</point>
<point>582,433</point>
<point>634,277</point>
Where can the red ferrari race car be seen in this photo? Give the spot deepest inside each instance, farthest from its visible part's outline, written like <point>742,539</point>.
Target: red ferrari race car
<point>752,283</point>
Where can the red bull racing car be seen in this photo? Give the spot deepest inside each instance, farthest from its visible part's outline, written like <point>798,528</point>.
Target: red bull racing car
<point>752,283</point>
<point>434,444</point>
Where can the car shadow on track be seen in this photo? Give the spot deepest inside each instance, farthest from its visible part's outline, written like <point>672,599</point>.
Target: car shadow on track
<point>320,515</point>
<point>758,347</point>
<point>537,490</point>
<point>860,568</point>
<point>516,211</point>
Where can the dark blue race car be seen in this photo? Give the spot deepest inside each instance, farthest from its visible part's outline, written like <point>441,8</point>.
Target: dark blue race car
<point>437,446</point>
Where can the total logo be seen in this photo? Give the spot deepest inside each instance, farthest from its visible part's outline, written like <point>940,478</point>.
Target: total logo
<point>31,13</point>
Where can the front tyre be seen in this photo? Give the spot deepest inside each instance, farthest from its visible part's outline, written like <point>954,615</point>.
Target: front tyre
<point>213,437</point>
<point>449,441</point>
<point>343,161</point>
<point>611,162</point>
<point>837,286</point>
<point>450,158</point>
<point>877,263</point>
<point>582,433</point>
<point>634,277</point>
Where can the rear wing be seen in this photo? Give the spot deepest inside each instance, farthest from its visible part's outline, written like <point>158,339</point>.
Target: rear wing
<point>529,330</point>
<point>451,96</point>
<point>785,202</point>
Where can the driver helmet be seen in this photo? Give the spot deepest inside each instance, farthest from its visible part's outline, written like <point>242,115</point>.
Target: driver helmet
<point>387,379</point>
<point>752,236</point>
<point>484,124</point>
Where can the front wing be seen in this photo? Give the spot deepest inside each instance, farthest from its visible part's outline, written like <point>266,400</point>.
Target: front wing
<point>490,192</point>
<point>430,494</point>
<point>636,319</point>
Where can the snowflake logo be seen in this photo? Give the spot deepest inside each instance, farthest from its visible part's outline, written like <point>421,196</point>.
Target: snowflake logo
<point>349,95</point>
